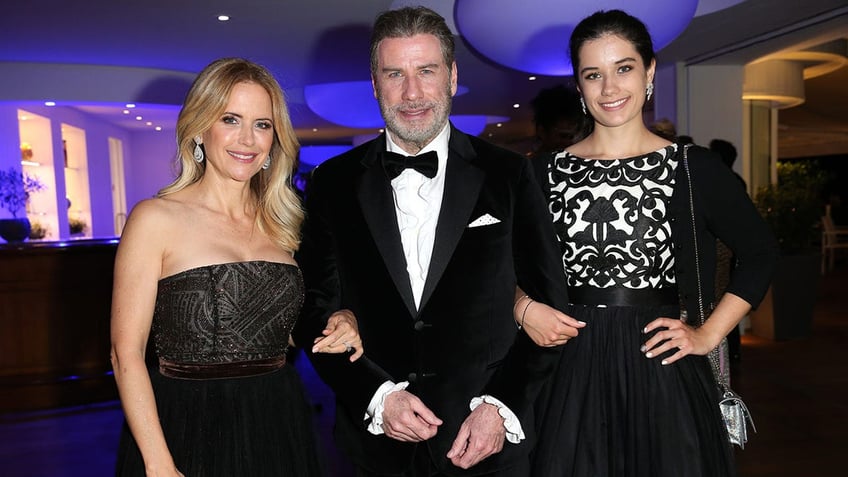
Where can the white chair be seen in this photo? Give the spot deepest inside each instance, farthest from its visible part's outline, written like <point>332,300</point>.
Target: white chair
<point>833,239</point>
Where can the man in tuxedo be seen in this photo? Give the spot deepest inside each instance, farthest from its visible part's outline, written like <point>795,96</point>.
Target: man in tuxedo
<point>427,252</point>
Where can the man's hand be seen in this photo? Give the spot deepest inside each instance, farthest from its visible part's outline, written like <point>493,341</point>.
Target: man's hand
<point>407,419</point>
<point>481,435</point>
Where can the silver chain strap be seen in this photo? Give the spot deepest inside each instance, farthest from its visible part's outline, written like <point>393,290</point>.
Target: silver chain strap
<point>713,356</point>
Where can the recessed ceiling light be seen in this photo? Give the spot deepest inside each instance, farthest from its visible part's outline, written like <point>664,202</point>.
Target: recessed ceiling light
<point>138,118</point>
<point>158,128</point>
<point>223,18</point>
<point>532,78</point>
<point>500,125</point>
<point>130,105</point>
<point>149,123</point>
<point>516,105</point>
<point>126,111</point>
<point>50,103</point>
<point>314,129</point>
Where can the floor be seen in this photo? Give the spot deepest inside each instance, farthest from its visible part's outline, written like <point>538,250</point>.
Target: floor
<point>797,391</point>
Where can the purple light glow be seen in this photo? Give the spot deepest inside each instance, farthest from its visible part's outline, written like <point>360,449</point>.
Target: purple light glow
<point>350,104</point>
<point>314,155</point>
<point>532,36</point>
<point>475,124</point>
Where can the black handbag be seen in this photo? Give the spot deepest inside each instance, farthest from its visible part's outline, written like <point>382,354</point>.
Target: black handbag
<point>734,412</point>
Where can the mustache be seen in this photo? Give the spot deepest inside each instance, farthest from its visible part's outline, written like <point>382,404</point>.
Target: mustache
<point>413,106</point>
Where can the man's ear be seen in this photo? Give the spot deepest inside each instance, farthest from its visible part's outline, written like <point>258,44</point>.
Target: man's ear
<point>453,81</point>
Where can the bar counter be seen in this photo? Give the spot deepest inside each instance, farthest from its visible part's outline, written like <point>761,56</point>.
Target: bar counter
<point>55,300</point>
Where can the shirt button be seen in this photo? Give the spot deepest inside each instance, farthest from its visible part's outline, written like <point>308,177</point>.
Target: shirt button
<point>412,377</point>
<point>419,325</point>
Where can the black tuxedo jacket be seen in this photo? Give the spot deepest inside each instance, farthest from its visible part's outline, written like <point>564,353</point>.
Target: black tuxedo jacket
<point>462,341</point>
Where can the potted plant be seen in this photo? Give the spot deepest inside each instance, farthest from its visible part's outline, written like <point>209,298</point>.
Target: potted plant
<point>15,190</point>
<point>793,208</point>
<point>37,231</point>
<point>76,226</point>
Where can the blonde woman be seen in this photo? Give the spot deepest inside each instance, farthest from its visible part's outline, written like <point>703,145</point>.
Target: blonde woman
<point>207,269</point>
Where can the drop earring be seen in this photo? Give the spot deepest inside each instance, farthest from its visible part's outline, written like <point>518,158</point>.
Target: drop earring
<point>198,152</point>
<point>583,105</point>
<point>267,163</point>
<point>650,91</point>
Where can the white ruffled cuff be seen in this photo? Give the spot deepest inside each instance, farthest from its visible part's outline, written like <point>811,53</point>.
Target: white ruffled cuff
<point>375,407</point>
<point>514,433</point>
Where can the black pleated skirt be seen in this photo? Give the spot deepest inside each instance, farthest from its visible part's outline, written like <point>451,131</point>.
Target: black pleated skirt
<point>610,411</point>
<point>257,426</point>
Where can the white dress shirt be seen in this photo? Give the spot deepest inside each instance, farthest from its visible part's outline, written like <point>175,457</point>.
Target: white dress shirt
<point>418,201</point>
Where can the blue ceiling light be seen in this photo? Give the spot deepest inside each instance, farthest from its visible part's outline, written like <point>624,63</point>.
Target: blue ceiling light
<point>350,103</point>
<point>475,124</point>
<point>311,156</point>
<point>532,36</point>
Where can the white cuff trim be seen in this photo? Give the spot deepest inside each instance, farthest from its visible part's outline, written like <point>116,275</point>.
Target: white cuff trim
<point>514,432</point>
<point>375,407</point>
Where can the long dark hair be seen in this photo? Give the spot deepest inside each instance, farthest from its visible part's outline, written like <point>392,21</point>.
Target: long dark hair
<point>611,22</point>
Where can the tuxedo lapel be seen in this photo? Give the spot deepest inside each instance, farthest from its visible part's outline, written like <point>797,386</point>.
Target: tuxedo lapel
<point>374,193</point>
<point>463,181</point>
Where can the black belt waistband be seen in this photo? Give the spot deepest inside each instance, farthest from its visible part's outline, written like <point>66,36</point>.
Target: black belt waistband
<point>618,296</point>
<point>220,370</point>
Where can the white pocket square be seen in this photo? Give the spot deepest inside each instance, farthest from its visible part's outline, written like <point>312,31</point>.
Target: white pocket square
<point>483,220</point>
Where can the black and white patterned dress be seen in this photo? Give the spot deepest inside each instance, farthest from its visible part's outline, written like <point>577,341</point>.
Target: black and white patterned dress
<point>609,410</point>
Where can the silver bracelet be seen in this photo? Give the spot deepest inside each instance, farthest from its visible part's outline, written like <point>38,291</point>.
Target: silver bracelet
<point>524,313</point>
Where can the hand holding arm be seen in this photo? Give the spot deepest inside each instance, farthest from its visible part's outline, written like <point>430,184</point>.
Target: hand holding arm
<point>340,336</point>
<point>689,340</point>
<point>545,325</point>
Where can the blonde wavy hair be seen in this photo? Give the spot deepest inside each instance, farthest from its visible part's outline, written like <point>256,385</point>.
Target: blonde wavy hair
<point>278,210</point>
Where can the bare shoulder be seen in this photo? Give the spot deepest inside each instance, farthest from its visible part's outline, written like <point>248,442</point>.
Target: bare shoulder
<point>151,225</point>
<point>155,212</point>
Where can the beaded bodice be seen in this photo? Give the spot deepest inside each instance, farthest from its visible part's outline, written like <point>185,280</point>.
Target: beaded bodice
<point>226,313</point>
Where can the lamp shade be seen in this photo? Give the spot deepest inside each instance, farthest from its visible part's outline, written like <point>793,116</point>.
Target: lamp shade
<point>780,82</point>
<point>532,35</point>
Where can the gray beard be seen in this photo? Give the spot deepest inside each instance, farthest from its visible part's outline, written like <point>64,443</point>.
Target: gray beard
<point>416,136</point>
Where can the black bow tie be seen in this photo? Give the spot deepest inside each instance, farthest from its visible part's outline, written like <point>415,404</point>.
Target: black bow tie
<point>394,163</point>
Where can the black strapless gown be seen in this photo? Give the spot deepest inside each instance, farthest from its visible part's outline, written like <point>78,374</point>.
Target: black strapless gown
<point>222,317</point>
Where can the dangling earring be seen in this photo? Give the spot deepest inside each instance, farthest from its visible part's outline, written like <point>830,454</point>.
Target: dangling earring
<point>267,163</point>
<point>650,91</point>
<point>583,105</point>
<point>198,152</point>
